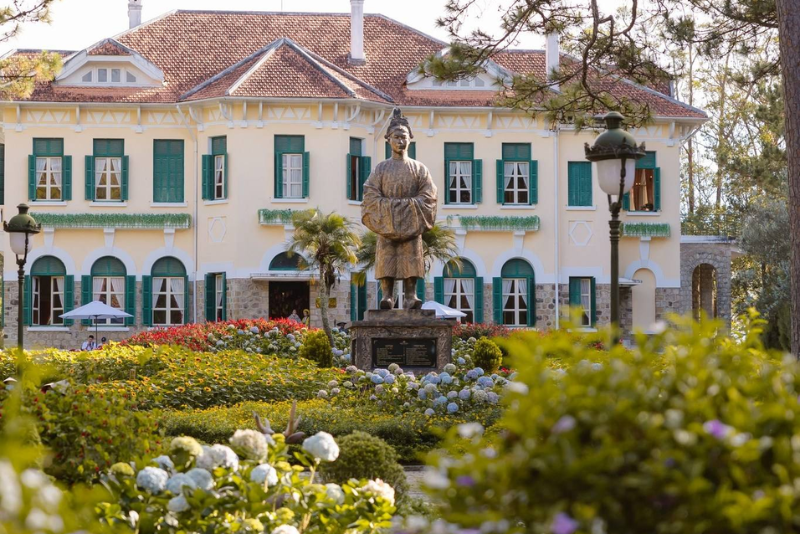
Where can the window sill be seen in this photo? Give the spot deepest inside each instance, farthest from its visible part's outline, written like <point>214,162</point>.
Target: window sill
<point>584,329</point>
<point>354,202</point>
<point>48,202</point>
<point>518,207</point>
<point>581,208</point>
<point>48,329</point>
<point>101,328</point>
<point>459,206</point>
<point>108,204</point>
<point>215,202</point>
<point>169,204</point>
<point>643,213</point>
<point>290,200</point>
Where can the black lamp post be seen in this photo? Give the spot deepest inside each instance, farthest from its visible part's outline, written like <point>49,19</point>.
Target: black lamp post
<point>615,152</point>
<point>20,228</point>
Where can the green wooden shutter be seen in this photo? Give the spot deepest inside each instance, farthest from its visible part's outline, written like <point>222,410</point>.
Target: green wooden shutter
<point>160,175</point>
<point>306,172</point>
<point>130,299</point>
<point>531,301</point>
<point>125,166</point>
<point>147,300</point>
<point>497,300</point>
<point>207,186</point>
<point>438,289</point>
<point>66,188</point>
<point>86,295</point>
<point>348,179</point>
<point>574,291</point>
<point>364,169</point>
<point>594,304</point>
<point>380,295</point>
<point>500,182</point>
<point>447,179</point>
<point>412,150</point>
<point>185,299</point>
<point>626,201</point>
<point>533,182</point>
<point>387,150</point>
<point>421,289</point>
<point>657,189</point>
<point>224,297</point>
<point>27,308</point>
<point>573,184</point>
<point>31,177</point>
<point>211,309</point>
<point>362,300</point>
<point>353,300</point>
<point>69,297</point>
<point>89,178</point>
<point>278,175</point>
<point>479,299</point>
<point>477,181</point>
<point>586,184</point>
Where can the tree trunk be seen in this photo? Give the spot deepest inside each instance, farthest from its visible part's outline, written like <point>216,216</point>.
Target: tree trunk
<point>789,41</point>
<point>690,145</point>
<point>723,100</point>
<point>324,299</point>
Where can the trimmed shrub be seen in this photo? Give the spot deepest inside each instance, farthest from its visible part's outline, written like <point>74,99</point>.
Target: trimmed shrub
<point>487,355</point>
<point>317,348</point>
<point>363,456</point>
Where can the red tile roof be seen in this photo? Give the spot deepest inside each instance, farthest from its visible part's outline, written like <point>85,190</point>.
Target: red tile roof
<point>204,53</point>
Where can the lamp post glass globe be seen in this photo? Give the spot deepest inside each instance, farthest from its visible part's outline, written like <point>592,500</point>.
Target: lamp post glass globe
<point>609,172</point>
<point>18,243</point>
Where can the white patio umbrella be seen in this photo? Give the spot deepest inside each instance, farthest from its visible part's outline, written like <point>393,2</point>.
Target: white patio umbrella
<point>95,310</point>
<point>442,311</point>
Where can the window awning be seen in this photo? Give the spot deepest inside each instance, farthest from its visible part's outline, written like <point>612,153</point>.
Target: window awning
<point>282,276</point>
<point>629,282</point>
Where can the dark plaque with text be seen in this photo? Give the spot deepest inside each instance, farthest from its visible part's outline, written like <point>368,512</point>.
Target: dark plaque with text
<point>404,352</point>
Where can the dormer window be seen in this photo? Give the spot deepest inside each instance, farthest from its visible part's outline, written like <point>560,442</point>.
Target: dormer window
<point>102,75</point>
<point>109,76</point>
<point>466,83</point>
<point>129,77</point>
<point>87,77</point>
<point>116,76</point>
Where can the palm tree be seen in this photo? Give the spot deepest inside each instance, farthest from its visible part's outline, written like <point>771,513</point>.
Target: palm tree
<point>438,244</point>
<point>328,243</point>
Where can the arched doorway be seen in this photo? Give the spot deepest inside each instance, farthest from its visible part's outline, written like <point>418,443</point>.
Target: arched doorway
<point>704,291</point>
<point>290,294</point>
<point>644,300</point>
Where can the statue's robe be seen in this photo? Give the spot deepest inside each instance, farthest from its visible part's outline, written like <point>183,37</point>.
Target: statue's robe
<point>399,204</point>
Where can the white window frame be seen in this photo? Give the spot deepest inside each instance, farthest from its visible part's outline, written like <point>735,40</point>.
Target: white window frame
<point>48,174</point>
<point>219,177</point>
<point>289,180</point>
<point>55,311</point>
<point>106,295</point>
<point>168,294</point>
<point>219,295</point>
<point>108,187</point>
<point>517,296</point>
<point>459,293</point>
<point>516,170</point>
<point>455,174</point>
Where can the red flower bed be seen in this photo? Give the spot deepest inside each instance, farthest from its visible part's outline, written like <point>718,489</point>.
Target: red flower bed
<point>195,336</point>
<point>479,330</point>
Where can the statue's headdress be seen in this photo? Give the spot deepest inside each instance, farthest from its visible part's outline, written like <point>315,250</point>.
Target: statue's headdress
<point>398,121</point>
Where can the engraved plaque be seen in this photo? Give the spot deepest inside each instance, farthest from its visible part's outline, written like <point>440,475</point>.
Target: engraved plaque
<point>404,352</point>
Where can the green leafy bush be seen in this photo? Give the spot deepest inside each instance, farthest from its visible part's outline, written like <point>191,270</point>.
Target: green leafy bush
<point>487,355</point>
<point>317,348</point>
<point>688,432</point>
<point>363,456</point>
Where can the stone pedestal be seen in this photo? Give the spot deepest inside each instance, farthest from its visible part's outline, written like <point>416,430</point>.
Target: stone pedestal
<point>413,339</point>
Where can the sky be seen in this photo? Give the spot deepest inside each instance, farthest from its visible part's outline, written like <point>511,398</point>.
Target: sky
<point>78,24</point>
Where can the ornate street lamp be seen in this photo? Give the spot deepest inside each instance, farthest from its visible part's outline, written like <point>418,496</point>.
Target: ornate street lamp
<point>615,152</point>
<point>20,228</point>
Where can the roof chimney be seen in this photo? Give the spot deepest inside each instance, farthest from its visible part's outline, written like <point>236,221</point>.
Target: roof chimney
<point>134,13</point>
<point>552,56</point>
<point>357,32</point>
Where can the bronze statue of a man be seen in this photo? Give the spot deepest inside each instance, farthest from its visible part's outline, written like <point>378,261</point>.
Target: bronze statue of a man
<point>399,205</point>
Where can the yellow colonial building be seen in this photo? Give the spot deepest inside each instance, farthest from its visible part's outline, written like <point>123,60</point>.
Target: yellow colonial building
<point>164,164</point>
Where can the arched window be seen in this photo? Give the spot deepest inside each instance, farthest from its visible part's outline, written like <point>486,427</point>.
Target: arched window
<point>48,293</point>
<point>513,294</point>
<point>285,262</point>
<point>166,293</point>
<point>108,285</point>
<point>460,289</point>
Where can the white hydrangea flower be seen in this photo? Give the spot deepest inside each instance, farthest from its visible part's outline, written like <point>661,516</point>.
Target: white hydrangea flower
<point>178,481</point>
<point>335,493</point>
<point>379,488</point>
<point>470,430</point>
<point>251,442</point>
<point>264,473</point>
<point>322,446</point>
<point>10,490</point>
<point>206,460</point>
<point>33,478</point>
<point>225,457</point>
<point>285,529</point>
<point>178,504</point>
<point>152,479</point>
<point>201,478</point>
<point>49,497</point>
<point>165,462</point>
<point>185,444</point>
